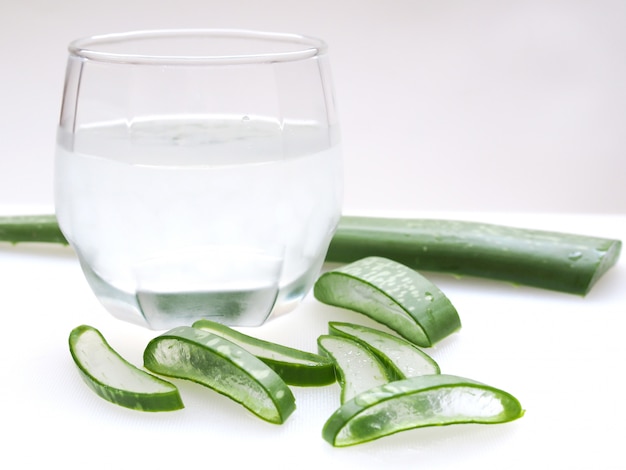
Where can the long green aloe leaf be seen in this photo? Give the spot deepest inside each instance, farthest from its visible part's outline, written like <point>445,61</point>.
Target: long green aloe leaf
<point>556,261</point>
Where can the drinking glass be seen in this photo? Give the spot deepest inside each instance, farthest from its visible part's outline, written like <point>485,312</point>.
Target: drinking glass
<point>198,172</point>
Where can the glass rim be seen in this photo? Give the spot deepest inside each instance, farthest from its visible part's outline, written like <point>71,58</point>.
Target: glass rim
<point>301,47</point>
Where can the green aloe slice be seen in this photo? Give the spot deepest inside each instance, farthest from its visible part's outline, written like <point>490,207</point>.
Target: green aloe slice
<point>115,379</point>
<point>296,367</point>
<point>428,400</point>
<point>399,355</point>
<point>358,368</point>
<point>223,366</point>
<point>392,294</point>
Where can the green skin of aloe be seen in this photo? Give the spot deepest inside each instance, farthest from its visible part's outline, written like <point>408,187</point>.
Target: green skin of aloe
<point>294,366</point>
<point>556,261</point>
<point>115,379</point>
<point>418,402</point>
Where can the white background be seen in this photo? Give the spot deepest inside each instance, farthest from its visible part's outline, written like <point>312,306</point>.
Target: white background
<point>444,105</point>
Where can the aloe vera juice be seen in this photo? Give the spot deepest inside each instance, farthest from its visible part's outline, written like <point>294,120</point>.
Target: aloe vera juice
<point>180,219</point>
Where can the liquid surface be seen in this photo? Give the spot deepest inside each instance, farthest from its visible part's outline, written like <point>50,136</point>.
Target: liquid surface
<point>183,219</point>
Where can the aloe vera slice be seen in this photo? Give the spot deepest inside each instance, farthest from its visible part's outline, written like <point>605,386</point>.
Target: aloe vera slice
<point>358,368</point>
<point>296,367</point>
<point>392,294</point>
<point>221,365</point>
<point>115,379</point>
<point>428,400</point>
<point>399,355</point>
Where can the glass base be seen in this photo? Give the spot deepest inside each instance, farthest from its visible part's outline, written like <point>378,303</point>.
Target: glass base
<point>165,310</point>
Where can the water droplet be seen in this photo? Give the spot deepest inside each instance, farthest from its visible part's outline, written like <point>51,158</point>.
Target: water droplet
<point>246,118</point>
<point>575,255</point>
<point>428,296</point>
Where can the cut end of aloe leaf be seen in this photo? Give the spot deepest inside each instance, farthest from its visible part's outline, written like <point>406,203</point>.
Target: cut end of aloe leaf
<point>392,294</point>
<point>223,366</point>
<point>430,400</point>
<point>608,256</point>
<point>115,379</point>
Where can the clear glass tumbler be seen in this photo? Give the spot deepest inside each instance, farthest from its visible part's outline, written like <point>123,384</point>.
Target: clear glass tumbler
<point>198,172</point>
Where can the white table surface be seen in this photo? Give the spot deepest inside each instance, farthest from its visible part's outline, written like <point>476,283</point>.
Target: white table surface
<point>562,356</point>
